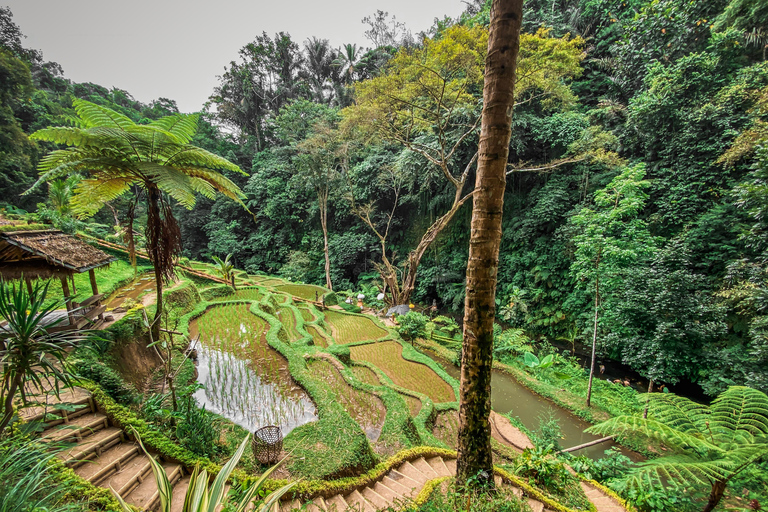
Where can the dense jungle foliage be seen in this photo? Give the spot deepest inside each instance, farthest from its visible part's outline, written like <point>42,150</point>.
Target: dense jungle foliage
<point>636,181</point>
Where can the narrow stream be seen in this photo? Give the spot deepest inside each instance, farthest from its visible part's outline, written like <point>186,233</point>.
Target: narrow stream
<point>507,395</point>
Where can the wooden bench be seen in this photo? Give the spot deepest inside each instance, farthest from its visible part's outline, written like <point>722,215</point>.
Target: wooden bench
<point>90,316</point>
<point>91,300</point>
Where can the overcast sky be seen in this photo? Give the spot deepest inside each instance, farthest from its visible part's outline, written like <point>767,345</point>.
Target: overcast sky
<point>176,48</point>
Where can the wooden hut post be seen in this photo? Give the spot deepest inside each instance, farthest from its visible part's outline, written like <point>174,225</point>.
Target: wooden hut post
<point>92,276</point>
<point>29,285</point>
<point>65,291</point>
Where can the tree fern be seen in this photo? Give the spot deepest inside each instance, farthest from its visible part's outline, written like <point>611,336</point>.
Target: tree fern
<point>709,444</point>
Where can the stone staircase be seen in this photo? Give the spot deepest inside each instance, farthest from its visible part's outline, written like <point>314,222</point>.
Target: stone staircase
<point>394,489</point>
<point>100,452</point>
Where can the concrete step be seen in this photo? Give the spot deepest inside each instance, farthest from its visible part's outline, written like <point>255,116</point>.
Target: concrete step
<point>78,428</point>
<point>92,446</point>
<point>179,493</point>
<point>451,465</point>
<point>396,487</point>
<point>423,466</point>
<point>130,475</point>
<point>536,506</point>
<point>409,470</point>
<point>109,462</point>
<point>439,466</point>
<point>45,410</point>
<point>288,506</point>
<point>412,486</point>
<point>146,495</point>
<point>358,503</point>
<point>314,505</point>
<point>388,494</point>
<point>377,499</point>
<point>336,503</point>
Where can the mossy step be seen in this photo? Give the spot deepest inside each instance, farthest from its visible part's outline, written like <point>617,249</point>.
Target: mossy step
<point>130,475</point>
<point>78,428</point>
<point>108,463</point>
<point>92,446</point>
<point>146,495</point>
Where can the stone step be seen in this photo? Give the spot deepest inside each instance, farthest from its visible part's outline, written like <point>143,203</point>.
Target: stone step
<point>76,397</point>
<point>377,499</point>
<point>412,486</point>
<point>358,503</point>
<point>439,466</point>
<point>396,487</point>
<point>314,505</point>
<point>179,493</point>
<point>451,465</point>
<point>336,503</point>
<point>409,470</point>
<point>536,506</point>
<point>319,504</point>
<point>423,466</point>
<point>92,446</point>
<point>80,427</point>
<point>146,495</point>
<point>131,474</point>
<point>388,494</point>
<point>109,462</point>
<point>287,506</point>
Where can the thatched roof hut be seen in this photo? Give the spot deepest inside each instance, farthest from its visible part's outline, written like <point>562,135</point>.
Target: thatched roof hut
<point>44,254</point>
<point>51,253</point>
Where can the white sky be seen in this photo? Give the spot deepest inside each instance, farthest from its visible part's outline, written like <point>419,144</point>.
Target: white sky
<point>176,48</point>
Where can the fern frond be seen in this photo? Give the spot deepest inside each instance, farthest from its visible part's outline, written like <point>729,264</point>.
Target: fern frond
<point>171,181</point>
<point>91,195</point>
<point>676,440</point>
<point>93,115</point>
<point>182,126</point>
<point>202,187</point>
<point>677,411</point>
<point>191,156</point>
<point>677,468</point>
<point>738,411</point>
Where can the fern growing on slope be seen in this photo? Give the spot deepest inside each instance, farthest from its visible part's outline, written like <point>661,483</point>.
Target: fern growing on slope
<point>710,444</point>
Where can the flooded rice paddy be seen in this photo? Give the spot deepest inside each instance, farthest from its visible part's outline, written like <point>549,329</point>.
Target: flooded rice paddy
<point>244,379</point>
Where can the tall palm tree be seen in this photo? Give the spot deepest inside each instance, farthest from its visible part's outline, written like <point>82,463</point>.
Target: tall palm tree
<point>474,453</point>
<point>117,154</point>
<point>705,445</point>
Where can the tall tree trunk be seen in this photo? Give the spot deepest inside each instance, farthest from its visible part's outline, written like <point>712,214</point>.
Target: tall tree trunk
<point>155,226</point>
<point>8,408</point>
<point>322,199</point>
<point>715,495</point>
<point>594,344</point>
<point>474,454</point>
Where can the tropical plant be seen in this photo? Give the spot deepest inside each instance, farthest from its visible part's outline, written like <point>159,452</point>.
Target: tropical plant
<point>709,445</point>
<point>26,484</point>
<point>32,359</point>
<point>118,154</point>
<point>225,267</point>
<point>202,498</point>
<point>412,325</point>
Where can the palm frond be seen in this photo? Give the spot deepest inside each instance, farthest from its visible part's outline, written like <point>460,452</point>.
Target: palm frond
<point>677,468</point>
<point>172,181</point>
<point>91,195</point>
<point>191,156</point>
<point>677,411</point>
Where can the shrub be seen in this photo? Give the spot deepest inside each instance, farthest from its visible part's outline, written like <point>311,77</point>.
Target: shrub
<point>109,380</point>
<point>413,325</point>
<point>198,430</point>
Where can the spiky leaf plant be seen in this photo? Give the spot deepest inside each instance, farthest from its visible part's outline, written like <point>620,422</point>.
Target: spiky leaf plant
<point>225,267</point>
<point>32,359</point>
<point>202,497</point>
<point>117,155</point>
<point>709,444</point>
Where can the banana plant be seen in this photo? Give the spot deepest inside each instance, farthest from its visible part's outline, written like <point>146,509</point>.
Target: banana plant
<point>202,498</point>
<point>532,361</point>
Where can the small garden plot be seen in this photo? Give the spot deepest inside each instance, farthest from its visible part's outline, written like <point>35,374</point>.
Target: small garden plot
<point>353,328</point>
<point>414,404</point>
<point>287,318</point>
<point>446,428</point>
<point>319,339</point>
<point>387,356</point>
<point>366,375</point>
<point>244,379</point>
<point>305,291</point>
<point>366,409</point>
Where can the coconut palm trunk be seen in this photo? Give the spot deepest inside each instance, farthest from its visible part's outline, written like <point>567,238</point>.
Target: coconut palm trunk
<point>474,438</point>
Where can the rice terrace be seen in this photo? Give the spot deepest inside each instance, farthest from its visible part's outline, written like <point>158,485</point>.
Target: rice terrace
<point>434,256</point>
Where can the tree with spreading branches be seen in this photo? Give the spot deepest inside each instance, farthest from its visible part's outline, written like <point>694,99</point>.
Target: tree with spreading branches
<point>117,155</point>
<point>709,444</point>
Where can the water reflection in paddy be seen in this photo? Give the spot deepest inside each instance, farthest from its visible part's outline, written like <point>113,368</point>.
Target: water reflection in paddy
<point>244,379</point>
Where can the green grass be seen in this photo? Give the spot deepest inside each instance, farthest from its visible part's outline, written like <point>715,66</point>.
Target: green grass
<point>305,291</point>
<point>319,339</point>
<point>367,409</point>
<point>108,279</point>
<point>387,356</point>
<point>246,294</point>
<point>414,404</point>
<point>353,328</point>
